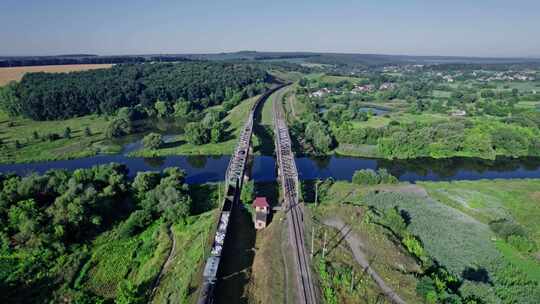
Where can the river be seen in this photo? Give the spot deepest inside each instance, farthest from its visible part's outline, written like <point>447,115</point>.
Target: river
<point>201,169</point>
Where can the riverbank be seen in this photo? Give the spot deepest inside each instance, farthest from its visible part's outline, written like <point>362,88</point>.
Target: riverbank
<point>234,121</point>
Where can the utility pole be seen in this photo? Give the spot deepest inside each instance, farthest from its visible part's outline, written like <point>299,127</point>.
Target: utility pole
<point>352,281</point>
<point>316,191</point>
<point>324,246</point>
<point>312,239</point>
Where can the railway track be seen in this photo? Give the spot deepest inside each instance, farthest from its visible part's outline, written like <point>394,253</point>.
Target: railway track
<point>234,178</point>
<point>288,175</point>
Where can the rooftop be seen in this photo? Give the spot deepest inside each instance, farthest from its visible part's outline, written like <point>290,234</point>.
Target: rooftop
<point>260,202</point>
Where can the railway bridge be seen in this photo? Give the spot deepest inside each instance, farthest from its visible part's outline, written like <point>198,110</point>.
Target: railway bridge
<point>288,177</point>
<point>234,179</point>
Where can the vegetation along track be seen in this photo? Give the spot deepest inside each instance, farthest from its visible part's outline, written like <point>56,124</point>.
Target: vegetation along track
<point>289,182</point>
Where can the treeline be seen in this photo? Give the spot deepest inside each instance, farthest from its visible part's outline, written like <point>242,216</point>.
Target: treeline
<point>47,221</point>
<point>458,137</point>
<point>47,96</point>
<point>84,59</point>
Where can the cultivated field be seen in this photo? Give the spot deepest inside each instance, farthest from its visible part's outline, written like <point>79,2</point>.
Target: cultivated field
<point>16,73</point>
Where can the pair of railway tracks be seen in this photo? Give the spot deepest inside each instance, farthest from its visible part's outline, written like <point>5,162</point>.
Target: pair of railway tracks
<point>234,178</point>
<point>289,181</point>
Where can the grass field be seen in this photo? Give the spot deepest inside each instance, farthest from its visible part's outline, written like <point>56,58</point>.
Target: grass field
<point>235,119</point>
<point>16,73</point>
<point>386,256</point>
<point>487,201</point>
<point>182,276</point>
<point>32,149</point>
<point>449,219</point>
<point>272,265</point>
<point>137,259</point>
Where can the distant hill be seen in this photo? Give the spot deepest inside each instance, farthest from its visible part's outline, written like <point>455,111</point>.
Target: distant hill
<point>297,57</point>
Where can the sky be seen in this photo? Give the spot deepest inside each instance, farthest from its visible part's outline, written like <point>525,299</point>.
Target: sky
<point>482,28</point>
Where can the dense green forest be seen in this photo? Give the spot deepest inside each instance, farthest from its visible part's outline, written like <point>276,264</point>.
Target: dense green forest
<point>48,223</point>
<point>47,96</point>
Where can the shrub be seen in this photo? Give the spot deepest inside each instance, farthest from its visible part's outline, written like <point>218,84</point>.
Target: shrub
<point>117,128</point>
<point>153,141</point>
<point>365,177</point>
<point>506,228</point>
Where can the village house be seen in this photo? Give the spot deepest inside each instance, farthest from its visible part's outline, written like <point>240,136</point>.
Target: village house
<point>363,88</point>
<point>320,93</point>
<point>386,86</point>
<point>262,210</point>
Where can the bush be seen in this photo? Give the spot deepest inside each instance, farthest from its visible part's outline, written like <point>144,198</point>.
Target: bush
<point>366,177</point>
<point>371,177</point>
<point>506,228</point>
<point>153,141</point>
<point>136,222</point>
<point>196,134</point>
<point>117,128</point>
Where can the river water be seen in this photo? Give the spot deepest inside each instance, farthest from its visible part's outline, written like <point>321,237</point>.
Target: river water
<point>201,169</point>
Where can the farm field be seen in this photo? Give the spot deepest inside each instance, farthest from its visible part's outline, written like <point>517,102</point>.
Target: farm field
<point>16,73</point>
<point>454,223</point>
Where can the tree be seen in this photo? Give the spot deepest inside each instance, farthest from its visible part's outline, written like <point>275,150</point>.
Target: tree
<point>319,136</point>
<point>9,102</point>
<point>366,177</point>
<point>35,135</point>
<point>67,132</point>
<point>128,293</point>
<point>248,192</point>
<point>217,133</point>
<point>153,141</point>
<point>164,109</point>
<point>87,131</point>
<point>196,134</point>
<point>117,128</point>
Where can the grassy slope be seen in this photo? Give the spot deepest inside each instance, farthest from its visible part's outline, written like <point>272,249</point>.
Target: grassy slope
<point>385,255</point>
<point>235,120</point>
<point>37,150</point>
<point>140,258</point>
<point>270,273</point>
<point>490,200</point>
<point>180,278</point>
<point>137,259</point>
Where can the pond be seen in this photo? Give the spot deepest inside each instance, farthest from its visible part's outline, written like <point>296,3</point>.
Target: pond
<point>373,110</point>
<point>201,169</point>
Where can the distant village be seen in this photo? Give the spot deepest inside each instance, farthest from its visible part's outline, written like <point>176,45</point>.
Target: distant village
<point>365,88</point>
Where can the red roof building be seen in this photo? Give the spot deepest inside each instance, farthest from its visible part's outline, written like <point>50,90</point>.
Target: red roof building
<point>262,209</point>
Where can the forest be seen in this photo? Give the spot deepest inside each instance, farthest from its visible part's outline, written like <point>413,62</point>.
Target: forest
<point>46,96</point>
<point>82,59</point>
<point>49,221</point>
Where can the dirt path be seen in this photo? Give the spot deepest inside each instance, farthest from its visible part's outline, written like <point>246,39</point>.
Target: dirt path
<point>165,266</point>
<point>356,244</point>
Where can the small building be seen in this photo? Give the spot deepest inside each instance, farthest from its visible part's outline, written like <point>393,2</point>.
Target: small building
<point>262,210</point>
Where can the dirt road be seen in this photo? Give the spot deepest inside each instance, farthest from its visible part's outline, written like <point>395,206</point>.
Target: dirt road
<point>356,244</point>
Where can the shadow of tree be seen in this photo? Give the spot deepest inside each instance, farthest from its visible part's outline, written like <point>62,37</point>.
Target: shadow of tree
<point>173,144</point>
<point>476,275</point>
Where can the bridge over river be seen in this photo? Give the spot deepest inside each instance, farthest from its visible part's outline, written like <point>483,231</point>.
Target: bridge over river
<point>234,178</point>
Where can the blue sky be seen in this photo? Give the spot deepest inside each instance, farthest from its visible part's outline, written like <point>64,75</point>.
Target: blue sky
<point>424,27</point>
